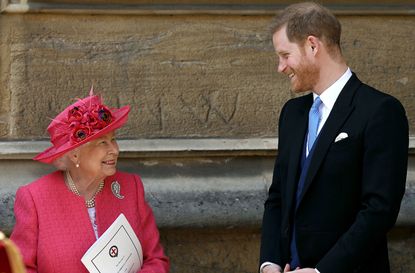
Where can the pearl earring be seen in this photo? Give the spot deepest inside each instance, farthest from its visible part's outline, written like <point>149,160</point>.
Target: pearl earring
<point>77,165</point>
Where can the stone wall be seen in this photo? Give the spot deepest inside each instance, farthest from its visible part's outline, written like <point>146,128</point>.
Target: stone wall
<point>185,75</point>
<point>201,79</point>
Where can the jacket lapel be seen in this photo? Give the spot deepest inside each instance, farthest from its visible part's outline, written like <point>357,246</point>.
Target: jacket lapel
<point>339,114</point>
<point>297,132</point>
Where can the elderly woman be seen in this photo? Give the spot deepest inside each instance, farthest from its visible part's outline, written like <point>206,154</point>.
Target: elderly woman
<point>60,215</point>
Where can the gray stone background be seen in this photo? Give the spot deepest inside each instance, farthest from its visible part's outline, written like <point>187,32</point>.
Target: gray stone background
<point>198,76</point>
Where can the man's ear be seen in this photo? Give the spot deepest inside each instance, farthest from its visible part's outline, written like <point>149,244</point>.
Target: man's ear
<point>313,44</point>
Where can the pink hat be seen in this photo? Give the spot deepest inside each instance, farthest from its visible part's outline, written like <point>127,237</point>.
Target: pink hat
<point>81,122</point>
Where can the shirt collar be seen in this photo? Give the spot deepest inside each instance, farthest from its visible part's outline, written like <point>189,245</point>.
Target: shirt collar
<point>329,96</point>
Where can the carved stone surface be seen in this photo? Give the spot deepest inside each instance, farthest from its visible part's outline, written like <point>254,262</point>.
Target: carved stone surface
<point>204,76</point>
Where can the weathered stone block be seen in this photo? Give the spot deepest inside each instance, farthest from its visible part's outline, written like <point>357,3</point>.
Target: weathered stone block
<point>185,76</point>
<point>402,250</point>
<point>212,250</point>
<point>237,250</point>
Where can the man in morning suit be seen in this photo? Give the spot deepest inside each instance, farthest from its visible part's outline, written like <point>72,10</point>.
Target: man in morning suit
<point>340,174</point>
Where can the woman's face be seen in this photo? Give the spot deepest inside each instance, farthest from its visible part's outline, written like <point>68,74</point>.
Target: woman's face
<point>98,158</point>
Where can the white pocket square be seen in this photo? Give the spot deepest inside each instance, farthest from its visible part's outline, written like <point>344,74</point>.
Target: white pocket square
<point>341,136</point>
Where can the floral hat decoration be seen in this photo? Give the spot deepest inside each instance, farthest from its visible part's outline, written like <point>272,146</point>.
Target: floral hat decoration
<point>81,122</point>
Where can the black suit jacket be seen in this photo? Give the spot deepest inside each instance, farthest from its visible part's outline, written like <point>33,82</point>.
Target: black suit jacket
<point>353,189</point>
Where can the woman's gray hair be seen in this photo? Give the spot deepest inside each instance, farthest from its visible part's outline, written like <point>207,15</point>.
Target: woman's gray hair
<point>63,162</point>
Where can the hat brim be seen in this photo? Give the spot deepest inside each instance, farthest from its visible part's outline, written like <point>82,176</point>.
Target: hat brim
<point>52,153</point>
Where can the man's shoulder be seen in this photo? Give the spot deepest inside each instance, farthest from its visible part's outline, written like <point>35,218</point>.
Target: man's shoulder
<point>299,101</point>
<point>370,102</point>
<point>365,90</point>
<point>367,96</point>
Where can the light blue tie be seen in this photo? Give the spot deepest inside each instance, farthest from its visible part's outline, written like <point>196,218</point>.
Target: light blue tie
<point>314,118</point>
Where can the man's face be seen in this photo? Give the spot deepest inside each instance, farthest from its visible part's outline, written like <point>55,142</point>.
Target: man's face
<point>295,62</point>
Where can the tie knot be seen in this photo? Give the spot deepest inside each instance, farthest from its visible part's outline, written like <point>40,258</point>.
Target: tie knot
<point>316,103</point>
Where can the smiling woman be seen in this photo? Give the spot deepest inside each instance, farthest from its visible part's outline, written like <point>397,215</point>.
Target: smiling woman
<point>84,197</point>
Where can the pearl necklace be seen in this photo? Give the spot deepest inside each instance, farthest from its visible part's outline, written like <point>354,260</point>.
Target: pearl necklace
<point>89,203</point>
